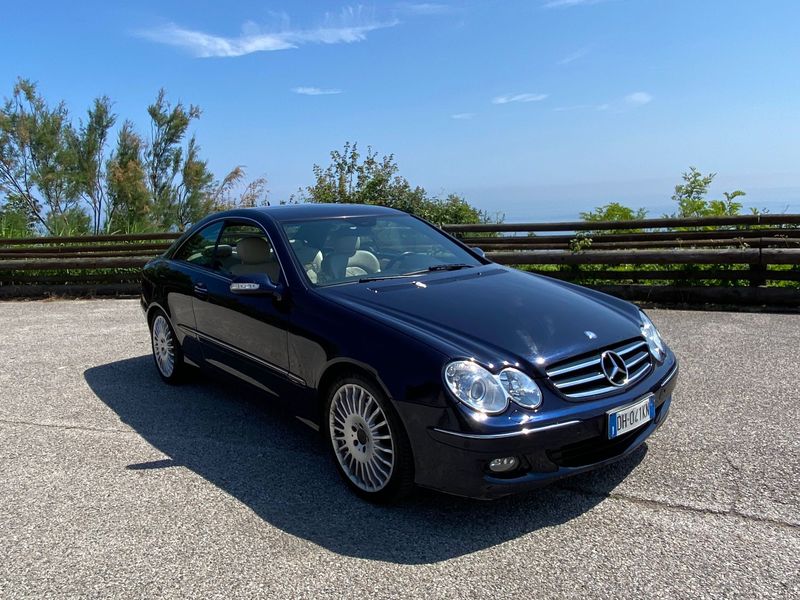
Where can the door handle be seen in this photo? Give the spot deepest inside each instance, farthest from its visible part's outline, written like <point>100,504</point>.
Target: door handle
<point>200,290</point>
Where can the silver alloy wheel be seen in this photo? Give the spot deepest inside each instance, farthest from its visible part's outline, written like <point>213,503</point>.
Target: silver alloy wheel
<point>361,437</point>
<point>163,346</point>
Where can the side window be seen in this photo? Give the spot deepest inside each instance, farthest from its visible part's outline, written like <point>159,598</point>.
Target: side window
<point>199,249</point>
<point>245,250</point>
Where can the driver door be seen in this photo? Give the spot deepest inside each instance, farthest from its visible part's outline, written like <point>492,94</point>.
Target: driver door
<point>245,336</point>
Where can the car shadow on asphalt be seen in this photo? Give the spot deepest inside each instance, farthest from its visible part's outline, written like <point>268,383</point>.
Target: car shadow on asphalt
<point>253,449</point>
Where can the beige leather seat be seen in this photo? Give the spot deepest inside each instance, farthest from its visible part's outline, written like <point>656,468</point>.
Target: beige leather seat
<point>346,260</point>
<point>309,256</point>
<point>364,260</point>
<point>256,256</point>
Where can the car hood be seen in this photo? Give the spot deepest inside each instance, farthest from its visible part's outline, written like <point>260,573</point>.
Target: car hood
<point>496,314</point>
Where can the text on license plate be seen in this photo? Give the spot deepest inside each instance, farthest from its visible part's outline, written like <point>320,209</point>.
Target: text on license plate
<point>626,418</point>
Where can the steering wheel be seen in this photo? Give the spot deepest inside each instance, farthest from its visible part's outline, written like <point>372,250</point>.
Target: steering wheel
<point>393,261</point>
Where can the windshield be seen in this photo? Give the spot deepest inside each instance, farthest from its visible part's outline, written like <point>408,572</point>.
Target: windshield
<point>352,249</point>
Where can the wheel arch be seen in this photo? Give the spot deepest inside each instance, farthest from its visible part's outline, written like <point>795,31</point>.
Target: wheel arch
<point>339,368</point>
<point>151,310</point>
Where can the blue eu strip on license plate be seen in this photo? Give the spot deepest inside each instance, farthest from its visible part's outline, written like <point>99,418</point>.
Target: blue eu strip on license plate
<point>627,418</point>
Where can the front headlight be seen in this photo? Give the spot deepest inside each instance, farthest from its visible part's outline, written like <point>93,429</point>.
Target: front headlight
<point>657,347</point>
<point>485,392</point>
<point>520,388</point>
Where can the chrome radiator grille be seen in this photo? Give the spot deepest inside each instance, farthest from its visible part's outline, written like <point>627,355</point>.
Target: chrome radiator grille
<point>584,377</point>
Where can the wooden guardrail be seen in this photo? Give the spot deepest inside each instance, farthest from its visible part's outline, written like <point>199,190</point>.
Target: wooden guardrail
<point>77,266</point>
<point>752,259</point>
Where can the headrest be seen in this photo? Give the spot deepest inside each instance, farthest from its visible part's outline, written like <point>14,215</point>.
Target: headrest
<point>346,244</point>
<point>223,251</point>
<point>253,250</point>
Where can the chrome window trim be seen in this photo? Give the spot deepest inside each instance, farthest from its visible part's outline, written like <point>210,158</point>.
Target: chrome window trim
<point>509,434</point>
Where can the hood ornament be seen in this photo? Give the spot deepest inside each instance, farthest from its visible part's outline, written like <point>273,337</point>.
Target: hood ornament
<point>590,334</point>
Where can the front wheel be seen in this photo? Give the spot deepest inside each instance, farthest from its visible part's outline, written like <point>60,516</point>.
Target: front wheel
<point>369,444</point>
<point>167,353</point>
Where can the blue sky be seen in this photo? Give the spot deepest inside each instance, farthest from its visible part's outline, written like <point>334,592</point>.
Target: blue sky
<point>535,108</point>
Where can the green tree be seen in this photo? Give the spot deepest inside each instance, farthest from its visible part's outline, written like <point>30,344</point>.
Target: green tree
<point>192,194</point>
<point>128,207</point>
<point>729,206</point>
<point>70,221</point>
<point>51,170</point>
<point>35,157</point>
<point>351,178</point>
<point>88,148</point>
<point>691,197</point>
<point>614,211</point>
<point>14,222</point>
<point>176,201</point>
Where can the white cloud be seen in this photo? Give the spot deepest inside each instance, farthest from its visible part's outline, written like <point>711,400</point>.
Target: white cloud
<point>424,8</point>
<point>350,25</point>
<point>569,3</point>
<point>638,99</point>
<point>518,98</point>
<point>463,116</point>
<point>315,91</point>
<point>578,54</point>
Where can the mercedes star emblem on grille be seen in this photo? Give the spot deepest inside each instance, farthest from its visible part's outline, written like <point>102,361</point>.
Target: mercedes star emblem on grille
<point>614,368</point>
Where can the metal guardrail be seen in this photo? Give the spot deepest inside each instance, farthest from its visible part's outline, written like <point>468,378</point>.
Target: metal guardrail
<point>751,259</point>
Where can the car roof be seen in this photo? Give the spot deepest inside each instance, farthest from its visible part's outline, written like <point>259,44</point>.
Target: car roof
<point>294,212</point>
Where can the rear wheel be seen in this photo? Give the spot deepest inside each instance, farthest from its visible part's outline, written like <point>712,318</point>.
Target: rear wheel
<point>369,444</point>
<point>167,353</point>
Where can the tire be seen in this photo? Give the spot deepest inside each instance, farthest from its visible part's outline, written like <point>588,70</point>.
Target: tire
<point>367,439</point>
<point>167,352</point>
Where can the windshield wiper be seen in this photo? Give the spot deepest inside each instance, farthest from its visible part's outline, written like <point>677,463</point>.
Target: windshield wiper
<point>382,277</point>
<point>432,269</point>
<point>450,267</point>
<point>453,267</point>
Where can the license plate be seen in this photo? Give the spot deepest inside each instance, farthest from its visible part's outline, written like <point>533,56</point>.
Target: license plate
<point>624,419</point>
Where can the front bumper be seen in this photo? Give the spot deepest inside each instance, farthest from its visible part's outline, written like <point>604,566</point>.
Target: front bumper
<point>546,453</point>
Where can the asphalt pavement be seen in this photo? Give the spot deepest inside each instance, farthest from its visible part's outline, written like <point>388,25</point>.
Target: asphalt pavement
<point>113,484</point>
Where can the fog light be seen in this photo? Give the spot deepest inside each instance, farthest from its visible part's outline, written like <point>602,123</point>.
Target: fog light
<point>503,465</point>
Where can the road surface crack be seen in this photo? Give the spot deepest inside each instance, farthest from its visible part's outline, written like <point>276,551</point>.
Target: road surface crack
<point>656,504</point>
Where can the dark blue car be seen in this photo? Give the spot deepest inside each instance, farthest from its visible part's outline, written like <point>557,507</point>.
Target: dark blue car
<point>419,360</point>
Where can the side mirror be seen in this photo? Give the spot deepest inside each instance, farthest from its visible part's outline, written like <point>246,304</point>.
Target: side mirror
<point>257,284</point>
<point>479,251</point>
